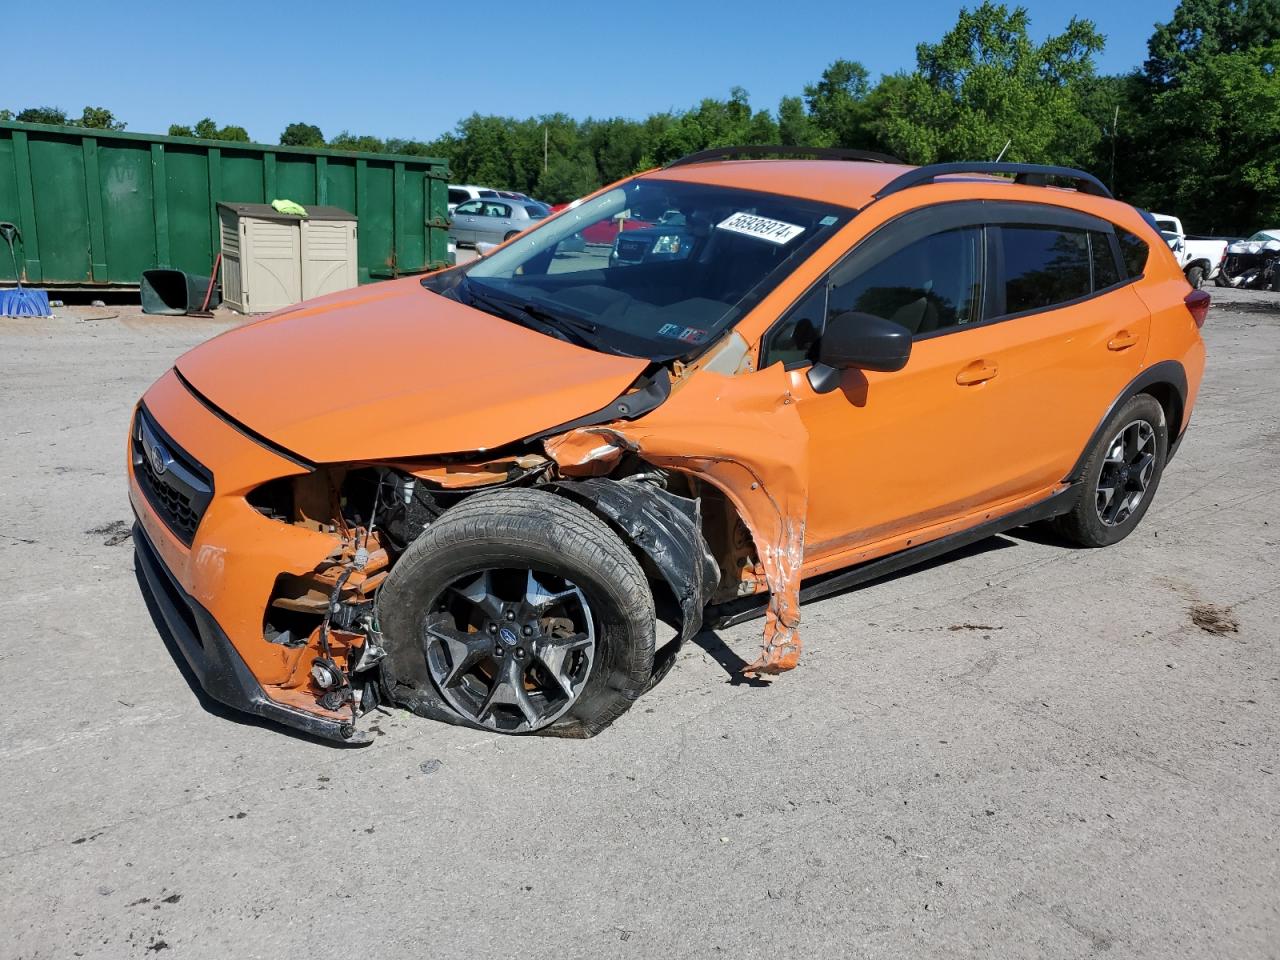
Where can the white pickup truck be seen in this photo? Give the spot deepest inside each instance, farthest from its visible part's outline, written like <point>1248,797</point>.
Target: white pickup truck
<point>1199,257</point>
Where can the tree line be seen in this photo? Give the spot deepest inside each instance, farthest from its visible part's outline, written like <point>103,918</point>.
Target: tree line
<point>1195,131</point>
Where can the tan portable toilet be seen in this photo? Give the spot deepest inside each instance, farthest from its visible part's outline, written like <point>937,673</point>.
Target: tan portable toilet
<point>272,260</point>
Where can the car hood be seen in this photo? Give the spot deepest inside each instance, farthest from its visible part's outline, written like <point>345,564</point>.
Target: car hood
<point>393,370</point>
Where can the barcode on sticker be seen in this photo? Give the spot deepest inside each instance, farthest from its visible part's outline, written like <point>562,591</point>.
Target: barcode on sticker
<point>775,231</point>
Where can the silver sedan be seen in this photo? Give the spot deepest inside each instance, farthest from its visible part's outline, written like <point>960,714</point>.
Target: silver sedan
<point>493,221</point>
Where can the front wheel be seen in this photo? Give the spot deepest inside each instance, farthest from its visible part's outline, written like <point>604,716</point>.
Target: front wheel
<point>1120,476</point>
<point>513,233</point>
<point>1195,276</point>
<point>521,611</point>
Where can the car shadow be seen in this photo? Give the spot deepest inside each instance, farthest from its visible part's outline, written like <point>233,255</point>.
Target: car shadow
<point>211,706</point>
<point>710,641</point>
<point>723,654</point>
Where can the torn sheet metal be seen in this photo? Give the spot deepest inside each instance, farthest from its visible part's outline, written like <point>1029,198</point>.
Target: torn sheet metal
<point>744,435</point>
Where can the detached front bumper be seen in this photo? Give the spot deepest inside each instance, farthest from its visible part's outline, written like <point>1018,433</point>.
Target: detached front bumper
<point>220,669</point>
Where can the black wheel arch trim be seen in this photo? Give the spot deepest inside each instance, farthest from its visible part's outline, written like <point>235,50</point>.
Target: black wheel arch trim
<point>665,528</point>
<point>1168,373</point>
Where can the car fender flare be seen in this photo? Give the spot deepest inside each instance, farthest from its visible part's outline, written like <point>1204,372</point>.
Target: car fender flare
<point>665,528</point>
<point>1166,373</point>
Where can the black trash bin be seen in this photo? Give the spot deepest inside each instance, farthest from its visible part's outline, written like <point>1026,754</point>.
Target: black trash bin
<point>175,292</point>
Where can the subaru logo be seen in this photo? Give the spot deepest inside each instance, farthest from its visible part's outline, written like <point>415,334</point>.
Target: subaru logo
<point>158,457</point>
<point>508,636</point>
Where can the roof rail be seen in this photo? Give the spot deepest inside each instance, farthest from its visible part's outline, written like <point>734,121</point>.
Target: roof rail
<point>1032,174</point>
<point>758,152</point>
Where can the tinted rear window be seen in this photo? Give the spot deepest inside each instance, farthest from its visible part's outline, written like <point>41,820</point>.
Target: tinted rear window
<point>1133,252</point>
<point>535,212</point>
<point>1044,266</point>
<point>459,196</point>
<point>1105,272</point>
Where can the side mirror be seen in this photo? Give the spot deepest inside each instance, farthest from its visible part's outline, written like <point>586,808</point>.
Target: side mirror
<point>858,340</point>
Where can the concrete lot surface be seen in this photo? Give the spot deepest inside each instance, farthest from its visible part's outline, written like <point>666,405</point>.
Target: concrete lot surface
<point>1023,751</point>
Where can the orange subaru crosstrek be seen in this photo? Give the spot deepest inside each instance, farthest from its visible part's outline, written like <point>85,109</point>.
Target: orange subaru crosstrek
<point>477,494</point>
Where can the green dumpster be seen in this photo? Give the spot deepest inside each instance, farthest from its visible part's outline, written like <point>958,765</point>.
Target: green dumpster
<point>96,207</point>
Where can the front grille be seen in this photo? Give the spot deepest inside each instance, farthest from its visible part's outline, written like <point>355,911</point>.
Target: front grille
<point>175,484</point>
<point>632,251</point>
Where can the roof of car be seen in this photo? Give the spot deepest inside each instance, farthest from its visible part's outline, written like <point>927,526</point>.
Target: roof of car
<point>855,183</point>
<point>849,183</point>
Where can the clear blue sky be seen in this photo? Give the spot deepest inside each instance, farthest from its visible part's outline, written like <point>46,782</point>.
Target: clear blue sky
<point>396,68</point>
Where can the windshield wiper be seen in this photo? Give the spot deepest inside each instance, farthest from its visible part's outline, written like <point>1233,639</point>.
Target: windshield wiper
<point>570,328</point>
<point>515,313</point>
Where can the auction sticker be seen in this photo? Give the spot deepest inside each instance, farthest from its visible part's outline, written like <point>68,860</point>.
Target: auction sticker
<point>748,224</point>
<point>687,334</point>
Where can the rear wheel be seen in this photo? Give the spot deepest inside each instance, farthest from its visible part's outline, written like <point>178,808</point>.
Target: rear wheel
<point>510,234</point>
<point>1195,276</point>
<point>522,612</point>
<point>1120,476</point>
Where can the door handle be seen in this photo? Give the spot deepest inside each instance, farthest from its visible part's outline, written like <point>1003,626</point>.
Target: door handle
<point>1122,340</point>
<point>980,371</point>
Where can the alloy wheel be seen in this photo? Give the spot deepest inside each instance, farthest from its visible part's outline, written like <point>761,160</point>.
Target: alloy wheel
<point>510,649</point>
<point>1127,470</point>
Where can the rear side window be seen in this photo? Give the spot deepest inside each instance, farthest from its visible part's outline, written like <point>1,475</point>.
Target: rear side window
<point>1043,266</point>
<point>1105,272</point>
<point>927,285</point>
<point>1133,252</point>
<point>459,196</point>
<point>534,211</point>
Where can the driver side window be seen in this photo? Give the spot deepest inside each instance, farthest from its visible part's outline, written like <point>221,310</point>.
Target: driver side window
<point>927,285</point>
<point>918,272</point>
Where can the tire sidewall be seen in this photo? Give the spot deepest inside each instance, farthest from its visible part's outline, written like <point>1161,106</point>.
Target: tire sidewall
<point>1140,407</point>
<point>623,619</point>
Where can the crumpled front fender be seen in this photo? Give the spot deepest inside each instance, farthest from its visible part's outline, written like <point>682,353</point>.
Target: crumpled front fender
<point>744,435</point>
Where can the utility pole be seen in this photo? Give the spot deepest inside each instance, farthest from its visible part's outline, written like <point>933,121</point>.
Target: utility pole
<point>1115,124</point>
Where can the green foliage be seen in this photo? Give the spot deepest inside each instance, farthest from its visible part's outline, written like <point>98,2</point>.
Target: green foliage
<point>839,108</point>
<point>1196,132</point>
<point>1214,138</point>
<point>986,84</point>
<point>302,135</point>
<point>42,115</point>
<point>1205,28</point>
<point>97,118</point>
<point>208,129</point>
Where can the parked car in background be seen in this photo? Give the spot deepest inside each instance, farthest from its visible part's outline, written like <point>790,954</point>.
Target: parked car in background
<point>1199,257</point>
<point>671,238</point>
<point>461,193</point>
<point>604,232</point>
<point>1253,263</point>
<point>493,221</point>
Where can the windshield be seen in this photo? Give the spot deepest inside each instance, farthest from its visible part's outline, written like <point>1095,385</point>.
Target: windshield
<point>653,268</point>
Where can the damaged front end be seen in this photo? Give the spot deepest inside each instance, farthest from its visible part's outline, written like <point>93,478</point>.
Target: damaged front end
<point>675,466</point>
